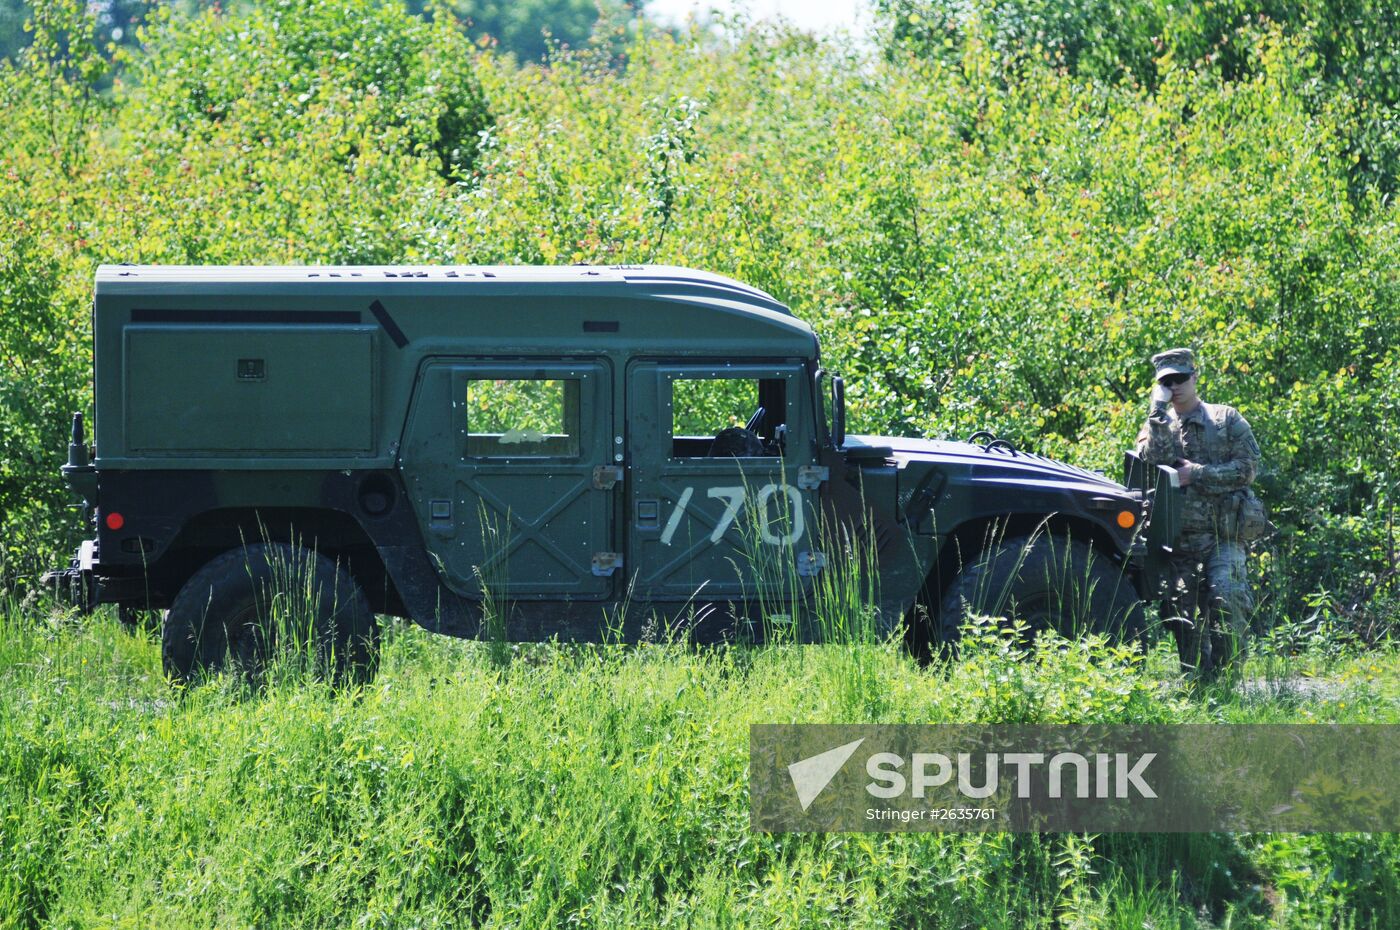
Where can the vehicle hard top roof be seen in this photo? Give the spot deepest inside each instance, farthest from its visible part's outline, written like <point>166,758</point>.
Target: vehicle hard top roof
<point>665,306</point>
<point>646,280</point>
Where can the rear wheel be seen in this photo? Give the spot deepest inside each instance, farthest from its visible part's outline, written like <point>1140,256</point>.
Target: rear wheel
<point>240,609</point>
<point>1051,582</point>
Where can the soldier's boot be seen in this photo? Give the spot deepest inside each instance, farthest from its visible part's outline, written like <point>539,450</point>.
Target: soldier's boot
<point>1193,646</point>
<point>1208,660</point>
<point>1181,613</point>
<point>1174,618</point>
<point>1233,635</point>
<point>1208,664</point>
<point>1215,648</point>
<point>1181,632</point>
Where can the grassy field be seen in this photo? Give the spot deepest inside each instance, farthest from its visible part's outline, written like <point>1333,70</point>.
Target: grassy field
<point>992,220</point>
<point>551,786</point>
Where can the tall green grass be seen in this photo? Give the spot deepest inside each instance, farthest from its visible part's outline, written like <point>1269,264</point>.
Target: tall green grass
<point>600,786</point>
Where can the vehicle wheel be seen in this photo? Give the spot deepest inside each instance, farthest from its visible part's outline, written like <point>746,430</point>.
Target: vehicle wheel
<point>1050,582</point>
<point>236,610</point>
<point>136,621</point>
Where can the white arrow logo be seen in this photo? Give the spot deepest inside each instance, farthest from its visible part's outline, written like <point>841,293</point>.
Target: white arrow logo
<point>814,773</point>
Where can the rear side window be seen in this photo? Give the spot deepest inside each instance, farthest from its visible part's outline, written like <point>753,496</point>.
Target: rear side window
<point>516,418</point>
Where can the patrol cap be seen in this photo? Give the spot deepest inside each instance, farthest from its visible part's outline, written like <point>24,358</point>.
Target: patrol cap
<point>1174,362</point>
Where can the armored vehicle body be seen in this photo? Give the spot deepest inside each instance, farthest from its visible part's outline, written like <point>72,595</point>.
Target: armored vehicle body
<point>568,450</point>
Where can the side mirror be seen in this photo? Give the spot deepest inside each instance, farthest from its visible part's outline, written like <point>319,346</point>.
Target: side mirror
<point>838,412</point>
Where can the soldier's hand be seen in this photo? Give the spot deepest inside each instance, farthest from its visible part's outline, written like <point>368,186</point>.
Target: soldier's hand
<point>1161,396</point>
<point>1184,469</point>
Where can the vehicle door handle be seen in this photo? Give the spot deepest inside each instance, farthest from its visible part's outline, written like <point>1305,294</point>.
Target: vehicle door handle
<point>606,477</point>
<point>648,515</point>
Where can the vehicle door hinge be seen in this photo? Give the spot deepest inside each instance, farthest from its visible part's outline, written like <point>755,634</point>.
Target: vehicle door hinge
<point>810,477</point>
<point>810,563</point>
<point>605,563</point>
<point>606,477</point>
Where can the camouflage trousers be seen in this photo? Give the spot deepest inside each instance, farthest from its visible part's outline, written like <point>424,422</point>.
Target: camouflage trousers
<point>1209,604</point>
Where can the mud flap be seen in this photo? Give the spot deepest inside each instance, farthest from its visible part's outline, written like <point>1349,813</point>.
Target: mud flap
<point>1163,527</point>
<point>77,584</point>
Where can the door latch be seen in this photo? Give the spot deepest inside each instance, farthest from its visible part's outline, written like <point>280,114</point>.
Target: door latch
<point>606,477</point>
<point>810,477</point>
<point>605,563</point>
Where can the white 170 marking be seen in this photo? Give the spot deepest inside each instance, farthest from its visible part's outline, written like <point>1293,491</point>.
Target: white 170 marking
<point>735,497</point>
<point>675,520</point>
<point>734,500</point>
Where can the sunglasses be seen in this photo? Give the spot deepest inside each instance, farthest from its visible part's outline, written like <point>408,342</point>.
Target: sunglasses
<point>1174,380</point>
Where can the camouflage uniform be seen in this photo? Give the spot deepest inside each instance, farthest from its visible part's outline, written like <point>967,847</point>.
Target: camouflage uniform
<point>1209,557</point>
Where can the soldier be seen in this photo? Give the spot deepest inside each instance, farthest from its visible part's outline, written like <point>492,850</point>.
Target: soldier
<point>1215,455</point>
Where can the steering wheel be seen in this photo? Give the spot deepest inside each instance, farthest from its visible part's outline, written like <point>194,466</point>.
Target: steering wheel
<point>755,420</point>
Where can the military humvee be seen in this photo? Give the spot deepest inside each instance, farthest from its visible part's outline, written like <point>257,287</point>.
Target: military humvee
<point>567,449</point>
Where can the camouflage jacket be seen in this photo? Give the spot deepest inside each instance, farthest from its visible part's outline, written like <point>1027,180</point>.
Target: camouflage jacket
<point>1225,457</point>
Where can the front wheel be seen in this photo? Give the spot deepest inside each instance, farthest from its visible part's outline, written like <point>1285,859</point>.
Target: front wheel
<point>135,620</point>
<point>1049,581</point>
<point>241,608</point>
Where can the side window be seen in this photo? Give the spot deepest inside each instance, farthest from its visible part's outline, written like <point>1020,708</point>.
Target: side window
<point>517,418</point>
<point>716,417</point>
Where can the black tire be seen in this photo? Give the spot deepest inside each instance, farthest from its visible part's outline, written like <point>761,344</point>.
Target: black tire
<point>240,607</point>
<point>1050,582</point>
<point>134,620</point>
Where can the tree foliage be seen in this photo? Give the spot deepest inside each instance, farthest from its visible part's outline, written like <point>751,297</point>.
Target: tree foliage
<point>529,28</point>
<point>1351,49</point>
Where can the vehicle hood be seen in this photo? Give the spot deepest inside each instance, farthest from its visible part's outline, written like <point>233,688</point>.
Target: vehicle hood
<point>996,467</point>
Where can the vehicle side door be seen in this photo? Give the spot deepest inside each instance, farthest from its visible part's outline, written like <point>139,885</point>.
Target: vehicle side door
<point>501,463</point>
<point>720,507</point>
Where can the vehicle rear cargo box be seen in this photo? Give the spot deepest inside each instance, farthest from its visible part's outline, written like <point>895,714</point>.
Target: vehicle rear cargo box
<point>198,389</point>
